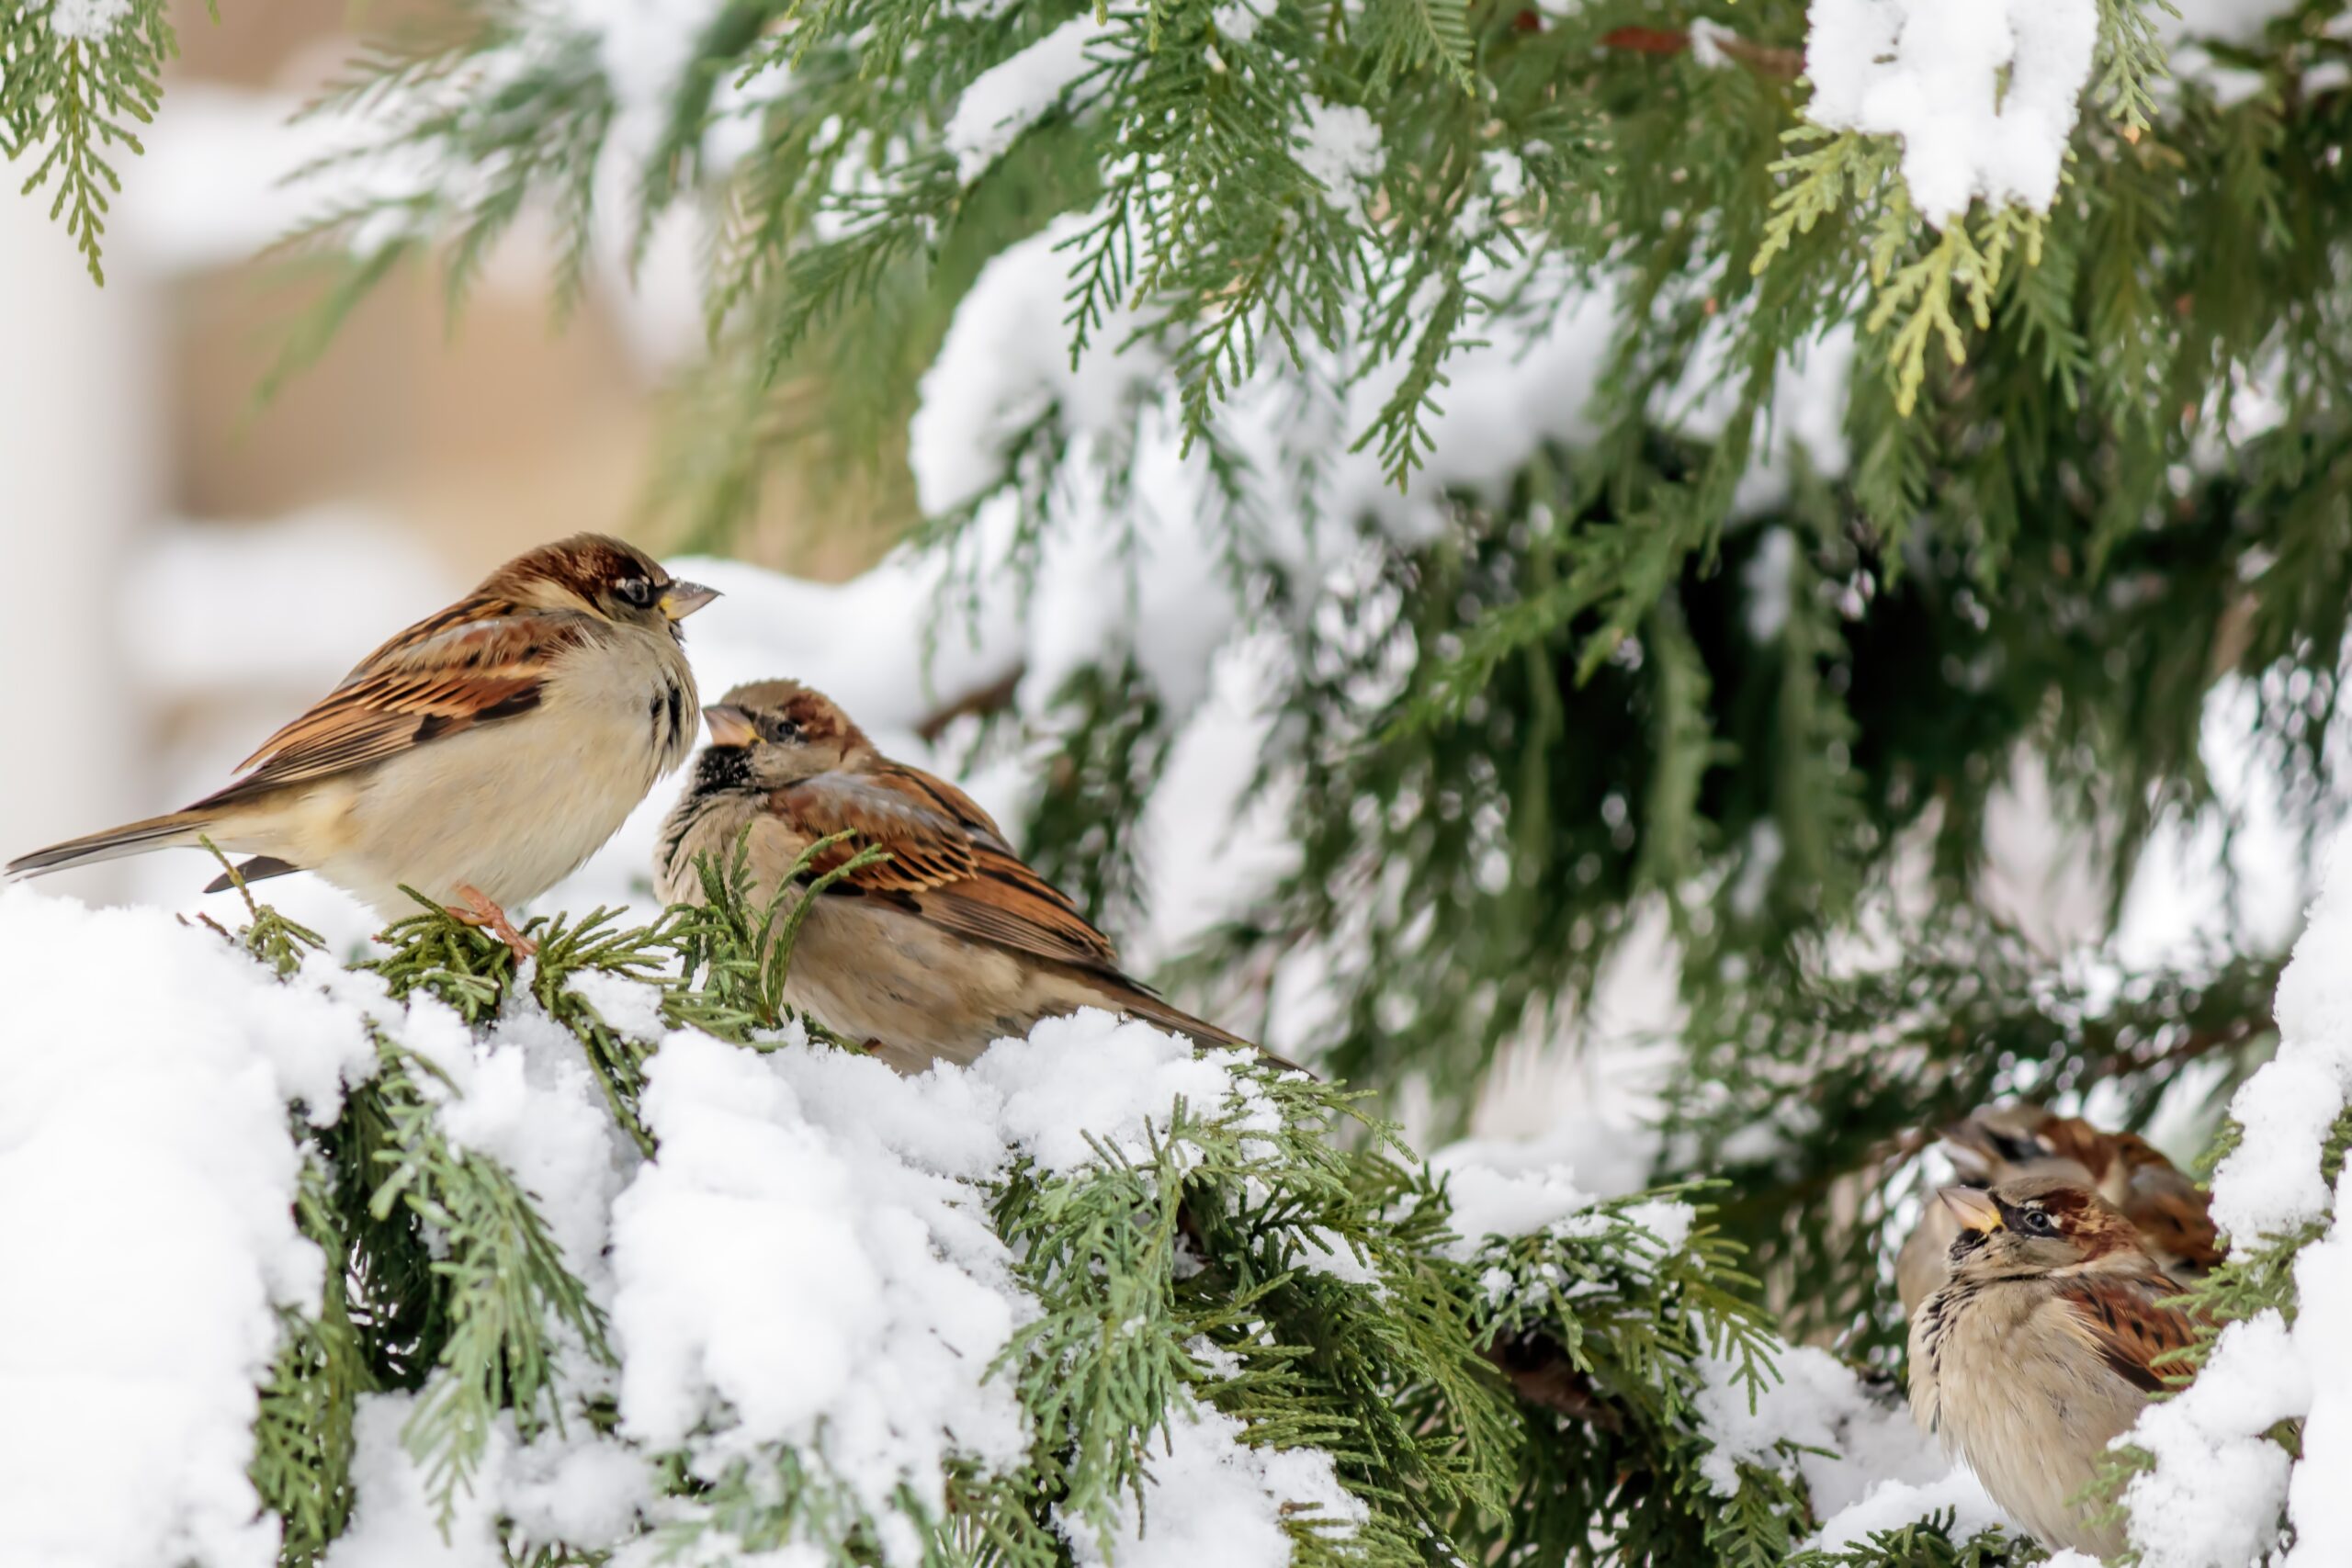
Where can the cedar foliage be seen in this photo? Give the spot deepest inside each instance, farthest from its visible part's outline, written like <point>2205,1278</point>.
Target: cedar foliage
<point>2098,466</point>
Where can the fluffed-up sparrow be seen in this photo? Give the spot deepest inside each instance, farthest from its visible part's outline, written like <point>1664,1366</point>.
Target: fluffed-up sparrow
<point>2037,1350</point>
<point>478,757</point>
<point>2005,1143</point>
<point>927,955</point>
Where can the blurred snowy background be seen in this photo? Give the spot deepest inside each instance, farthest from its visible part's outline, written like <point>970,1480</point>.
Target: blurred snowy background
<point>204,563</point>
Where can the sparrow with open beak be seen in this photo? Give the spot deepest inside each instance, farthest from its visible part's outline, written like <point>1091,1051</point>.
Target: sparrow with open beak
<point>929,954</point>
<point>2038,1349</point>
<point>478,757</point>
<point>2006,1143</point>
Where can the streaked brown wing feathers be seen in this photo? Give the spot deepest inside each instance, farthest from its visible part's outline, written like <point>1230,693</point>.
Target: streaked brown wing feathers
<point>944,850</point>
<point>2122,1319</point>
<point>474,664</point>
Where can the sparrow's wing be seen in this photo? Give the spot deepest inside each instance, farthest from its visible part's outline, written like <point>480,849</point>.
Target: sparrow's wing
<point>2117,1316</point>
<point>946,859</point>
<point>2175,1217</point>
<point>479,661</point>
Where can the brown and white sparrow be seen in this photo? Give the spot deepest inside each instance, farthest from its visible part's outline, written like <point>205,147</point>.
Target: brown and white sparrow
<point>478,757</point>
<point>2005,1143</point>
<point>2037,1350</point>
<point>928,955</point>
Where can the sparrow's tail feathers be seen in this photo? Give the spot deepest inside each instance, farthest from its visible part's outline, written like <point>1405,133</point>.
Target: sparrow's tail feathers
<point>132,839</point>
<point>1142,1004</point>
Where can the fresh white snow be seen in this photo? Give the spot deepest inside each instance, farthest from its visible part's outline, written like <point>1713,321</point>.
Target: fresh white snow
<point>1008,97</point>
<point>147,1178</point>
<point>1983,95</point>
<point>2217,1483</point>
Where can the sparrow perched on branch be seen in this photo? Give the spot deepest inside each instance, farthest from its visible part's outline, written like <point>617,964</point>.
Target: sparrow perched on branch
<point>2037,1350</point>
<point>478,757</point>
<point>928,954</point>
<point>2005,1143</point>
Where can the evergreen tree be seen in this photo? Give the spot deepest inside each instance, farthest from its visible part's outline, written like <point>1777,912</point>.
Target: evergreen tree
<point>1666,466</point>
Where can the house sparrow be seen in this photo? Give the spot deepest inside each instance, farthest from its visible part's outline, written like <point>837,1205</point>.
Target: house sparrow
<point>478,757</point>
<point>2004,1143</point>
<point>929,955</point>
<point>2035,1352</point>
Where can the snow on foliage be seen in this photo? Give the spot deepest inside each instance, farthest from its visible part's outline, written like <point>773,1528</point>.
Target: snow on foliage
<point>2213,1492</point>
<point>1008,98</point>
<point>146,1192</point>
<point>1983,96</point>
<point>807,1263</point>
<point>1005,372</point>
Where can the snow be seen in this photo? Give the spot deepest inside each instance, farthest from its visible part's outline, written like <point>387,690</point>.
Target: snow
<point>569,1486</point>
<point>87,19</point>
<point>1014,95</point>
<point>1501,1189</point>
<point>2217,1483</point>
<point>146,1165</point>
<point>1933,75</point>
<point>1210,1498</point>
<point>1341,149</point>
<point>2271,1184</point>
<point>807,1263</point>
<point>1816,1402</point>
<point>1890,1505</point>
<point>1091,1080</point>
<point>525,1095</point>
<point>786,1277</point>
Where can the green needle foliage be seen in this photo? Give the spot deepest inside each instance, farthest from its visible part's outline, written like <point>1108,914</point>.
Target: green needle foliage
<point>1491,1402</point>
<point>2093,487</point>
<point>71,93</point>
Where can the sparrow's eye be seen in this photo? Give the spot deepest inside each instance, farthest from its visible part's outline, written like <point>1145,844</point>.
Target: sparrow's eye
<point>778,728</point>
<point>2039,1222</point>
<point>635,590</point>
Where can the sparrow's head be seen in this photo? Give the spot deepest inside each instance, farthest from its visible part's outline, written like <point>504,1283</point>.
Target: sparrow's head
<point>2002,1143</point>
<point>779,732</point>
<point>606,577</point>
<point>2038,1225</point>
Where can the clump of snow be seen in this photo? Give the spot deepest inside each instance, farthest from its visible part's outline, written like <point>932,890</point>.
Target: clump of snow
<point>787,1277</point>
<point>1342,148</point>
<point>1983,96</point>
<point>1514,1188</point>
<point>2271,1184</point>
<point>87,19</point>
<point>562,1487</point>
<point>1091,1080</point>
<point>2218,1483</point>
<point>1815,1402</point>
<point>525,1095</point>
<point>1238,19</point>
<point>147,1178</point>
<point>1890,1505</point>
<point>2315,1498</point>
<point>1211,1498</point>
<point>1014,95</point>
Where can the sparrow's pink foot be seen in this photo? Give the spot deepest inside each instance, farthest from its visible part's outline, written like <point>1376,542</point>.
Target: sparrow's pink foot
<point>479,909</point>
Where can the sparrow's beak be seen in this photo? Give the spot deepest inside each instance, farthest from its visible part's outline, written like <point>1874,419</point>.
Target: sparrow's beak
<point>683,599</point>
<point>1974,1209</point>
<point>729,725</point>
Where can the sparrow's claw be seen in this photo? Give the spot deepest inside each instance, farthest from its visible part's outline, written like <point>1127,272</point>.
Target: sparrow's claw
<point>479,909</point>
